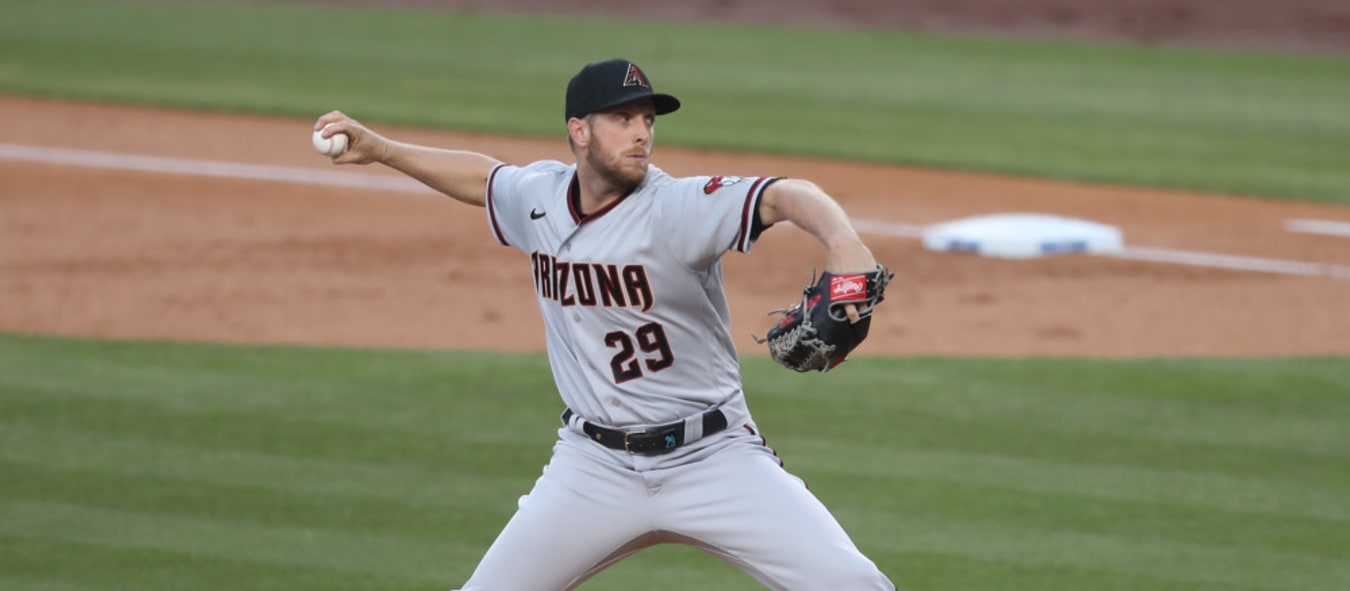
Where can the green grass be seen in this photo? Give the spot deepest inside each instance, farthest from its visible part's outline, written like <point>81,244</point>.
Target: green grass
<point>1253,123</point>
<point>143,466</point>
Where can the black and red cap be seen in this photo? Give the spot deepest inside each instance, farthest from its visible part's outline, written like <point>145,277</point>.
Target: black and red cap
<point>602,85</point>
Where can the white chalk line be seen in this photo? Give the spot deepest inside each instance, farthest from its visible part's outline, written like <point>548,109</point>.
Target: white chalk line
<point>232,170</point>
<point>360,180</point>
<point>1159,255</point>
<point>1325,227</point>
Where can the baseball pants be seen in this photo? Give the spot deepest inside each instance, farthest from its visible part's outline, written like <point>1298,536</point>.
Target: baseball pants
<point>726,494</point>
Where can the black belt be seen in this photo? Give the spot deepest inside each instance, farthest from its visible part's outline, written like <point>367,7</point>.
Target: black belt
<point>651,440</point>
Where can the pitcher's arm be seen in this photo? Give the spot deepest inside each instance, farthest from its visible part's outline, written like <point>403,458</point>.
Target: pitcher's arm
<point>808,207</point>
<point>461,174</point>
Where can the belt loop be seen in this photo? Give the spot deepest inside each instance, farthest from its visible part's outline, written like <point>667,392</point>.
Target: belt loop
<point>572,420</point>
<point>693,427</point>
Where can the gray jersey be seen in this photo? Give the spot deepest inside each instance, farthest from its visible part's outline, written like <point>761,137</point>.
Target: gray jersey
<point>631,295</point>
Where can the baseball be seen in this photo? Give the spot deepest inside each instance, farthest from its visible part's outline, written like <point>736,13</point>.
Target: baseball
<point>331,146</point>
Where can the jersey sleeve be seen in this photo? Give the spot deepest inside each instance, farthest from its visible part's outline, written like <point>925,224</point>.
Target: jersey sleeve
<point>499,204</point>
<point>511,192</point>
<point>710,215</point>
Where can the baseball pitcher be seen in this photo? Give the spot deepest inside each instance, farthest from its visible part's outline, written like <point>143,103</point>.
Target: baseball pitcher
<point>657,443</point>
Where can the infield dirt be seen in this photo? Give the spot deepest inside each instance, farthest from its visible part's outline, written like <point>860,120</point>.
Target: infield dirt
<point>152,255</point>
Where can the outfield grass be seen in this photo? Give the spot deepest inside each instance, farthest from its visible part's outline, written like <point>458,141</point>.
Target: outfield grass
<point>1265,124</point>
<point>145,467</point>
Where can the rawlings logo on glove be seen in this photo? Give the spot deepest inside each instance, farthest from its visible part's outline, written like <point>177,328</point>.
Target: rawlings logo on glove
<point>848,288</point>
<point>816,334</point>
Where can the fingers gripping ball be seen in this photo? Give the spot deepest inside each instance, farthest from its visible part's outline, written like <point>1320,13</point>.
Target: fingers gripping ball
<point>815,334</point>
<point>330,146</point>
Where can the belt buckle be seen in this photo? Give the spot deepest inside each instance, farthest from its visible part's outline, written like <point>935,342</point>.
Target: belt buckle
<point>656,441</point>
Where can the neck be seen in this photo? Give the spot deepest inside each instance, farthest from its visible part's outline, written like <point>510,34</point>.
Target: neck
<point>595,191</point>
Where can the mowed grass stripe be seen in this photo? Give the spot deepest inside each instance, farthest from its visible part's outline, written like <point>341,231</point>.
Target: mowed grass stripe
<point>990,440</point>
<point>295,436</point>
<point>261,505</point>
<point>102,567</point>
<point>228,539</point>
<point>1181,413</point>
<point>411,389</point>
<point>931,570</point>
<point>1122,430</point>
<point>1165,487</point>
<point>56,583</point>
<point>414,488</point>
<point>1124,518</point>
<point>1274,420</point>
<point>1164,560</point>
<point>9,581</point>
<point>1293,405</point>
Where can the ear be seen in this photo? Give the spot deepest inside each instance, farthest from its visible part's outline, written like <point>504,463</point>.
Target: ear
<point>579,131</point>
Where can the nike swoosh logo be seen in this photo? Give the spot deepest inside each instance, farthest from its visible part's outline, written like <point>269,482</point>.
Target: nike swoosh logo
<point>534,215</point>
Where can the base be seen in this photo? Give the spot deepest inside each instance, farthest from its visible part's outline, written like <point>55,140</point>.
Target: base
<point>1023,235</point>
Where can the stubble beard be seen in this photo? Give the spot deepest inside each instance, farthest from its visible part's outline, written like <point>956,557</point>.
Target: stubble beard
<point>622,178</point>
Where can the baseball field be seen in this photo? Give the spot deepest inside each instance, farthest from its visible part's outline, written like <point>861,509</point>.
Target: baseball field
<point>226,364</point>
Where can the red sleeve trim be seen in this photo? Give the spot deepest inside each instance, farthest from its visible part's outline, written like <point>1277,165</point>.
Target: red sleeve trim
<point>492,211</point>
<point>743,241</point>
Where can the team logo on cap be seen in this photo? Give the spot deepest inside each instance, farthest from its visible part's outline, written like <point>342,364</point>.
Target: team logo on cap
<point>635,77</point>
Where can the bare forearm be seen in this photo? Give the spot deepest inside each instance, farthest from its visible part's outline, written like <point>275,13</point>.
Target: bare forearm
<point>458,173</point>
<point>811,209</point>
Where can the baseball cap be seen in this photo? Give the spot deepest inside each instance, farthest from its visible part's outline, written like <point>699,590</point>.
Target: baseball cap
<point>602,85</point>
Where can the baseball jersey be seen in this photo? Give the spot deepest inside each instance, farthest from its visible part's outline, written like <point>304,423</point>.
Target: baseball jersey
<point>635,317</point>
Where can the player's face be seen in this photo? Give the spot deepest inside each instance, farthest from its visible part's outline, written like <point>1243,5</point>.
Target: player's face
<point>621,142</point>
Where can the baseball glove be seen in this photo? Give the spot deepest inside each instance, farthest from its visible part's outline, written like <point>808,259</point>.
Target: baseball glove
<point>816,334</point>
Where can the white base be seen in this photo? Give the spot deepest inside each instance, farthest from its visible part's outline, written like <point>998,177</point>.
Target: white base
<point>1023,235</point>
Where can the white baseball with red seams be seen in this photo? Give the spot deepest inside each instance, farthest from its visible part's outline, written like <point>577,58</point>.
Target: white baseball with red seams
<point>638,334</point>
<point>330,146</point>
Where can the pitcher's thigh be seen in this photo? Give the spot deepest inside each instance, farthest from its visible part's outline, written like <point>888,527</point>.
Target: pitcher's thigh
<point>578,516</point>
<point>744,507</point>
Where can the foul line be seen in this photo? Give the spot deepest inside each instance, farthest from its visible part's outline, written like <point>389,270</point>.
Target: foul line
<point>231,170</point>
<point>1326,227</point>
<point>1159,255</point>
<point>360,180</point>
